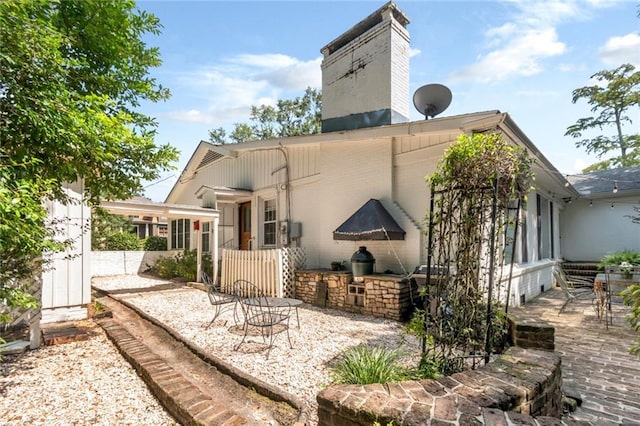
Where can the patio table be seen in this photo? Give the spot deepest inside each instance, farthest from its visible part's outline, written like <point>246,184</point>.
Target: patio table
<point>277,302</point>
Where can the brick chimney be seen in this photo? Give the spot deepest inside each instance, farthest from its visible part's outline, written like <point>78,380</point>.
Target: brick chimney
<point>365,73</point>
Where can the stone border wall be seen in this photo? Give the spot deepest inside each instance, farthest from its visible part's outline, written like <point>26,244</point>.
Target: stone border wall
<point>521,382</point>
<point>386,296</point>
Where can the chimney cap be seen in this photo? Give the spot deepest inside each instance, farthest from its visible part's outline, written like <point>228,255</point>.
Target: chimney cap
<point>365,25</point>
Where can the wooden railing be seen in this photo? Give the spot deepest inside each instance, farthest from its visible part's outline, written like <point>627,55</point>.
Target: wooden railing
<point>271,270</point>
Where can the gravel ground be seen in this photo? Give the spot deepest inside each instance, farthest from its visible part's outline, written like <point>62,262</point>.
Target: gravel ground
<point>78,383</point>
<point>302,371</point>
<point>88,382</point>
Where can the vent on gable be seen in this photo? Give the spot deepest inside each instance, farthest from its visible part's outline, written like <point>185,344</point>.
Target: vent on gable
<point>210,157</point>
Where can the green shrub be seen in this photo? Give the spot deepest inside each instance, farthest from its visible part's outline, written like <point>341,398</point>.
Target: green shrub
<point>182,265</point>
<point>364,365</point>
<point>122,241</point>
<point>631,297</point>
<point>155,243</point>
<point>165,267</point>
<point>187,264</point>
<point>616,258</point>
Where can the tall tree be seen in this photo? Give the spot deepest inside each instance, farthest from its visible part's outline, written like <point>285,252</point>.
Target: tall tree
<point>618,91</point>
<point>290,117</point>
<point>72,76</point>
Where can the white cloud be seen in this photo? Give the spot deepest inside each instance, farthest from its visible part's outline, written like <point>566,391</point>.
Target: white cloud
<point>548,13</point>
<point>414,52</point>
<point>571,67</point>
<point>519,56</point>
<point>192,116</point>
<point>268,60</point>
<point>519,45</point>
<point>621,50</point>
<point>295,76</point>
<point>217,116</point>
<point>227,90</point>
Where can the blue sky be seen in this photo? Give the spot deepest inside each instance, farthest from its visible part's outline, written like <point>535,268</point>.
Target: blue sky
<point>520,57</point>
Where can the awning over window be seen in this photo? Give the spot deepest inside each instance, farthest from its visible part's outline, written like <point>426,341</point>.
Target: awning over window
<point>371,222</point>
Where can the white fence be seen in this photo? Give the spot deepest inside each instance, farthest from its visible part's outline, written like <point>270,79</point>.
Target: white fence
<point>123,262</point>
<point>271,270</point>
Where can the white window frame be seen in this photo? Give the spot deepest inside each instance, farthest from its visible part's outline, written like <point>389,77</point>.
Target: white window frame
<point>271,221</point>
<point>206,236</point>
<point>182,239</point>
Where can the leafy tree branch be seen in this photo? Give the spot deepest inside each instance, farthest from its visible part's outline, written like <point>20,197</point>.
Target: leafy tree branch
<point>616,92</point>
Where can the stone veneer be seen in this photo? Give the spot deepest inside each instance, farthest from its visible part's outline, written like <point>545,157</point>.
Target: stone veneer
<point>386,296</point>
<point>520,383</point>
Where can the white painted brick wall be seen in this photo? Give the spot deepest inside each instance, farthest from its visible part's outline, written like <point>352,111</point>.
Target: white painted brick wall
<point>370,73</point>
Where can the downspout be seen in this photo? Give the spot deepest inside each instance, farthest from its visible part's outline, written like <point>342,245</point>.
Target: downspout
<point>286,181</point>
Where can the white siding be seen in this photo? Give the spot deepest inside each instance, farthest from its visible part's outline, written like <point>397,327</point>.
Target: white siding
<point>590,232</point>
<point>66,280</point>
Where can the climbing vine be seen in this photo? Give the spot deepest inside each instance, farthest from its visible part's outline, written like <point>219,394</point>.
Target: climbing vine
<point>478,184</point>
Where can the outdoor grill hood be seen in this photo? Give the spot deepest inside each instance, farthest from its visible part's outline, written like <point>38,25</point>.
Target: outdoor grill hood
<point>371,222</point>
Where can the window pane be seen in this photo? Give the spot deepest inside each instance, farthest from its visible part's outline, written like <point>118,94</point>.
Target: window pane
<point>206,226</point>
<point>187,233</point>
<point>269,210</point>
<point>180,234</point>
<point>270,234</point>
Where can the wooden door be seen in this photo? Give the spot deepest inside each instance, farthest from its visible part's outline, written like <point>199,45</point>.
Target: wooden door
<point>245,226</point>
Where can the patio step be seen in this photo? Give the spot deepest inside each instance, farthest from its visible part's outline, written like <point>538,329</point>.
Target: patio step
<point>581,269</point>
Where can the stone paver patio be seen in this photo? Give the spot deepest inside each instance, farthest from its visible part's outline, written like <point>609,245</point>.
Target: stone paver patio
<point>596,363</point>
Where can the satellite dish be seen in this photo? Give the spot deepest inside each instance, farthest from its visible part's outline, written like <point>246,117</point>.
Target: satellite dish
<point>432,99</point>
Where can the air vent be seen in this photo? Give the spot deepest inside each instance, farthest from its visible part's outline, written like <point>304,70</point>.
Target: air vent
<point>209,158</point>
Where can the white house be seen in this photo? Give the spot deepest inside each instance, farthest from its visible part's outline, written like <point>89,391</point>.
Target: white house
<point>599,222</point>
<point>297,191</point>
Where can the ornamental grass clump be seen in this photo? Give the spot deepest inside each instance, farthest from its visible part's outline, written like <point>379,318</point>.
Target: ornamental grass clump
<point>363,365</point>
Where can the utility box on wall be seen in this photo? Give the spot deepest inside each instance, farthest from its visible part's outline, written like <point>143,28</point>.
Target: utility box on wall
<point>295,230</point>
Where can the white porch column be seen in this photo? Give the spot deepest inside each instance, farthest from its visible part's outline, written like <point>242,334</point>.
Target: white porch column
<point>215,252</point>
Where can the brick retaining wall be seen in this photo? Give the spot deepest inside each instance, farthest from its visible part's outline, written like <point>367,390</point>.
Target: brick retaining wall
<point>521,382</point>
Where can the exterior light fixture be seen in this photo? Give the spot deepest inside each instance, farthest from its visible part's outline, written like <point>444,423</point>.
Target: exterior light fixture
<point>615,187</point>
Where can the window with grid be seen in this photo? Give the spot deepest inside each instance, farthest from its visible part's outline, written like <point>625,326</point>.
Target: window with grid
<point>269,223</point>
<point>180,233</point>
<point>206,234</point>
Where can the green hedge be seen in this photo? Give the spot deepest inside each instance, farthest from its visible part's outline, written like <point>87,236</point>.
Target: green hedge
<point>122,241</point>
<point>155,243</point>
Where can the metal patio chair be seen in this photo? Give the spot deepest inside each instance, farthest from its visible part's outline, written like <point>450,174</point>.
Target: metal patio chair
<point>221,302</point>
<point>574,288</point>
<point>259,313</point>
<point>614,274</point>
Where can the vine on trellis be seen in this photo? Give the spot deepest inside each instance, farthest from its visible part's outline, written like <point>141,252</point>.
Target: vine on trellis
<point>478,184</point>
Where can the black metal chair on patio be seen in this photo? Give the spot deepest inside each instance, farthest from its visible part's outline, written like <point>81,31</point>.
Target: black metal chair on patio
<point>574,288</point>
<point>617,277</point>
<point>221,302</point>
<point>259,313</point>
